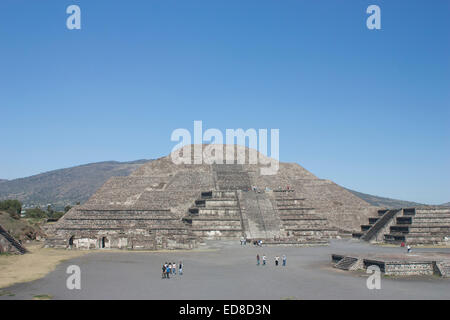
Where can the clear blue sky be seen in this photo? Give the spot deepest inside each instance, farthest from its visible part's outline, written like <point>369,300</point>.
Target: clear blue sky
<point>369,110</point>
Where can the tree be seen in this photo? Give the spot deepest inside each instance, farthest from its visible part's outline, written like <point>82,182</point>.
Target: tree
<point>36,213</point>
<point>13,207</point>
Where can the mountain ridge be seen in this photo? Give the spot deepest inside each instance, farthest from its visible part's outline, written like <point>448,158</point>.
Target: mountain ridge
<point>66,186</point>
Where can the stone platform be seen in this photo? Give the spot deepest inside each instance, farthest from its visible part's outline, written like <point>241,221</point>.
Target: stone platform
<point>408,264</point>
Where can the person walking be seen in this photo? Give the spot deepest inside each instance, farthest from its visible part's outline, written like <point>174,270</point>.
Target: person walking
<point>257,259</point>
<point>264,260</point>
<point>169,270</point>
<point>180,269</point>
<point>163,271</point>
<point>276,260</point>
<point>284,260</point>
<point>409,248</point>
<point>174,268</point>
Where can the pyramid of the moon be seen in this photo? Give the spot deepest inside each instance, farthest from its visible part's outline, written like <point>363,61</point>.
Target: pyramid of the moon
<point>165,204</point>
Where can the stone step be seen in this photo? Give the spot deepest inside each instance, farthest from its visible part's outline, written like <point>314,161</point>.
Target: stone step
<point>346,263</point>
<point>430,228</point>
<point>302,219</point>
<point>220,211</point>
<point>16,244</point>
<point>404,220</point>
<point>283,208</point>
<point>381,212</point>
<point>445,211</point>
<point>216,218</point>
<point>432,217</point>
<point>115,218</point>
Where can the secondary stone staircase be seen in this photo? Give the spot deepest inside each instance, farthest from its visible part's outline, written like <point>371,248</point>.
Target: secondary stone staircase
<point>216,215</point>
<point>377,226</point>
<point>9,244</point>
<point>421,226</point>
<point>380,225</point>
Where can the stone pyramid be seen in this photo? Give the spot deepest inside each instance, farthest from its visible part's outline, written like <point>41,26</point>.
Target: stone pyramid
<point>168,205</point>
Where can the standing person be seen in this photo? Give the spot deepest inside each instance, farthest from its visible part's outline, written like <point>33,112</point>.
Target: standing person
<point>284,260</point>
<point>257,259</point>
<point>174,268</point>
<point>163,271</point>
<point>276,260</point>
<point>409,248</point>
<point>264,259</point>
<point>180,269</point>
<point>169,270</point>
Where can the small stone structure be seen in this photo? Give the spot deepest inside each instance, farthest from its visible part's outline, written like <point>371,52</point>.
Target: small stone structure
<point>163,205</point>
<point>397,264</point>
<point>422,225</point>
<point>8,244</point>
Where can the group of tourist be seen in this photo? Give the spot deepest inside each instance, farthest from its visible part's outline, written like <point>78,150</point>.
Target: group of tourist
<point>264,260</point>
<point>255,242</point>
<point>171,269</point>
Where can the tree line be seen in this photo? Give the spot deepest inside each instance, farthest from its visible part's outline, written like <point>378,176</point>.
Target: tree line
<point>14,208</point>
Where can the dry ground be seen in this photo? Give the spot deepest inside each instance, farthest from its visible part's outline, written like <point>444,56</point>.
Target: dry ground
<point>33,265</point>
<point>40,261</point>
